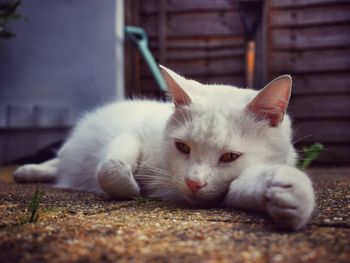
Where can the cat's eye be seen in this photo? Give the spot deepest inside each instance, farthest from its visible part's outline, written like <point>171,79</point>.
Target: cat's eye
<point>183,147</point>
<point>229,157</point>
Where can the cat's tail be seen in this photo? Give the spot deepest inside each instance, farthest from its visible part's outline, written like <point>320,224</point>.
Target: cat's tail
<point>43,172</point>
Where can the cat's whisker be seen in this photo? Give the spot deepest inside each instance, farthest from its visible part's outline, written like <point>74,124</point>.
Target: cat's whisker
<point>153,179</point>
<point>183,98</point>
<point>157,178</point>
<point>188,114</point>
<point>173,126</point>
<point>153,168</point>
<point>178,122</point>
<point>154,175</point>
<point>185,115</point>
<point>153,172</point>
<point>295,132</point>
<point>306,150</point>
<point>302,138</point>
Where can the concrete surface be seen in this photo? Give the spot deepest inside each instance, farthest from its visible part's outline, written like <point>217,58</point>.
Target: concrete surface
<point>82,227</point>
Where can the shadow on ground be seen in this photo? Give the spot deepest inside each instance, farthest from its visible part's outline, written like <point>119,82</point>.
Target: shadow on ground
<point>82,227</point>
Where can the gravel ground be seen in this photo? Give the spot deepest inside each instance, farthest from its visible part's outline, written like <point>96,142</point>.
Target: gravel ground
<point>82,227</point>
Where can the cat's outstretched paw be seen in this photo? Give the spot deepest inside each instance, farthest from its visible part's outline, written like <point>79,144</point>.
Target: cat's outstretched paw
<point>289,197</point>
<point>116,180</point>
<point>31,173</point>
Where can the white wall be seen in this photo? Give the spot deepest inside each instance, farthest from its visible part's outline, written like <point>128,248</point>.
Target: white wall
<point>63,57</point>
<point>67,58</point>
<point>120,76</point>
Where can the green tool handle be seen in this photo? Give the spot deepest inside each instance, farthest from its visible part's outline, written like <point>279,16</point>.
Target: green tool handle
<point>153,66</point>
<point>139,37</point>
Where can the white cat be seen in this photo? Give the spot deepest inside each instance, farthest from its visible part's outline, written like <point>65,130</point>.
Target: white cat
<point>218,145</point>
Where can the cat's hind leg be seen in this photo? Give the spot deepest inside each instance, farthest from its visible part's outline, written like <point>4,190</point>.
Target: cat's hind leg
<point>43,172</point>
<point>115,171</point>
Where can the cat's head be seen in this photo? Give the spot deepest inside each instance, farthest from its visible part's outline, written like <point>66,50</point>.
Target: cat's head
<point>218,131</point>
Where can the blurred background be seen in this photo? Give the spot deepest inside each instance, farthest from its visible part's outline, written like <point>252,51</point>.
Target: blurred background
<point>69,56</point>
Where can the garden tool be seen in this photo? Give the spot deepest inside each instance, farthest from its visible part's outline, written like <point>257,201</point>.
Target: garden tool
<point>250,13</point>
<point>139,37</point>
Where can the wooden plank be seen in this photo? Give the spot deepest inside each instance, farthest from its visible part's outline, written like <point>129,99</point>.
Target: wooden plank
<point>325,131</point>
<point>331,106</point>
<point>201,43</point>
<point>206,54</point>
<point>310,16</point>
<point>334,155</point>
<point>197,68</point>
<point>304,3</point>
<point>132,55</point>
<point>150,6</point>
<point>149,88</point>
<point>310,61</point>
<point>162,31</point>
<point>311,37</point>
<point>266,42</point>
<point>233,80</point>
<point>321,84</point>
<point>226,23</point>
<point>200,54</point>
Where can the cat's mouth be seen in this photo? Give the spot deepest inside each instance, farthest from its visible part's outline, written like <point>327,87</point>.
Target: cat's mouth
<point>197,199</point>
<point>208,196</point>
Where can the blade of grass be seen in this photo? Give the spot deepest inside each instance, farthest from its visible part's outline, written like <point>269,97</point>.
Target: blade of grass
<point>311,153</point>
<point>33,209</point>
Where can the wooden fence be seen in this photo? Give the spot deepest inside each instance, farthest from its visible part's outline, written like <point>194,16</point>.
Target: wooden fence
<point>309,39</point>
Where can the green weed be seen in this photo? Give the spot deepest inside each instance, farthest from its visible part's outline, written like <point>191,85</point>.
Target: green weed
<point>310,154</point>
<point>33,209</point>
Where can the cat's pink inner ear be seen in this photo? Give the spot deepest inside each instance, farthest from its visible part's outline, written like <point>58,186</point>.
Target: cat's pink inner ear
<point>179,96</point>
<point>272,101</point>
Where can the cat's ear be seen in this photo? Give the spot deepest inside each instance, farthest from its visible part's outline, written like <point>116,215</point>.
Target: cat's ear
<point>272,101</point>
<point>174,82</point>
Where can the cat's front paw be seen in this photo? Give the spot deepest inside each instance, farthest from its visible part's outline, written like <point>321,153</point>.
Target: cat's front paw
<point>289,197</point>
<point>116,179</point>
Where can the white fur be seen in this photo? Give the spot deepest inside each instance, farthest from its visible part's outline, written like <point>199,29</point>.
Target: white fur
<point>283,191</point>
<point>127,149</point>
<point>44,172</point>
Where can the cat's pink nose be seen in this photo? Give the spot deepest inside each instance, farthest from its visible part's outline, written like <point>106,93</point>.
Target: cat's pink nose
<point>195,185</point>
